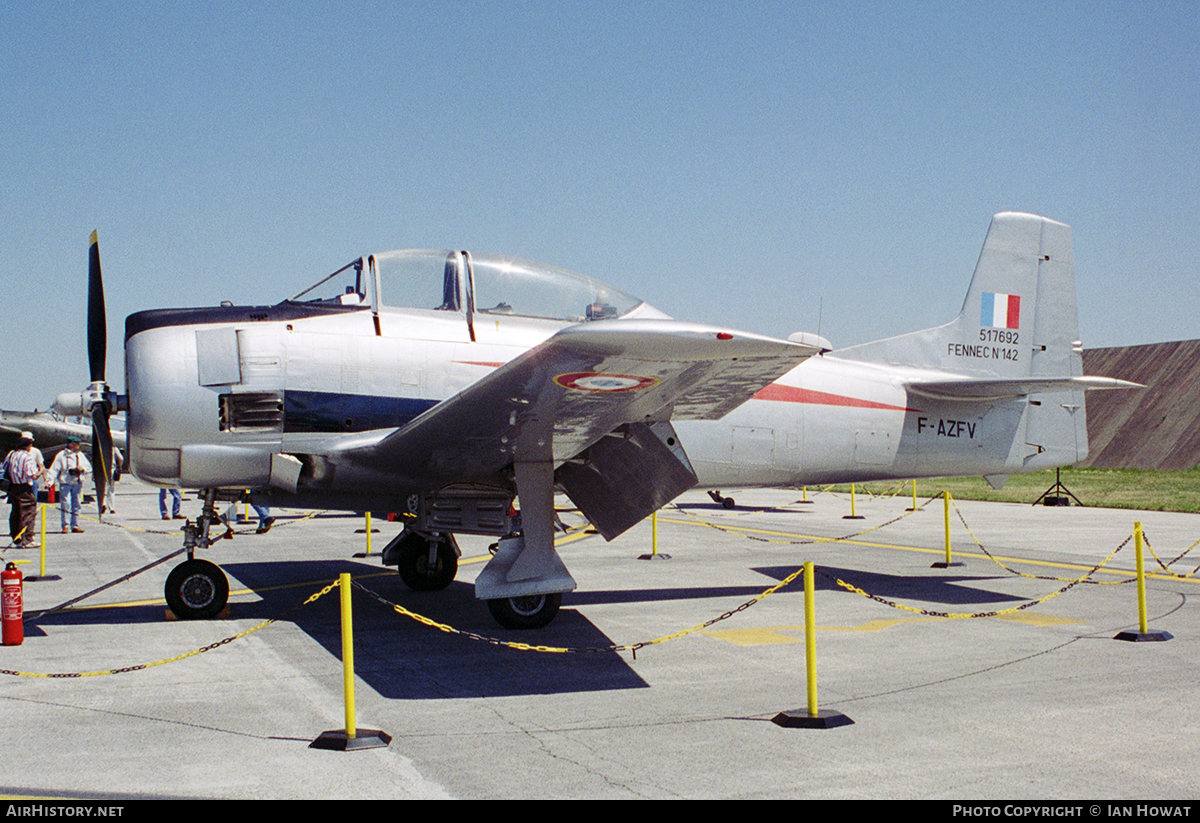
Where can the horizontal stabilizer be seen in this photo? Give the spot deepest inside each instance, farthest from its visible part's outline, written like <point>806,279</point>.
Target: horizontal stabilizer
<point>999,389</point>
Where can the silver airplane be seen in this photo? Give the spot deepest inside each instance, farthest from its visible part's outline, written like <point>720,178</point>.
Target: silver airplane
<point>449,385</point>
<point>49,430</point>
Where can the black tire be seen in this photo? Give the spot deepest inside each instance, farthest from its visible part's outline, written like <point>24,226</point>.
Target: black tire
<point>529,612</point>
<point>413,557</point>
<point>197,590</point>
<point>727,502</point>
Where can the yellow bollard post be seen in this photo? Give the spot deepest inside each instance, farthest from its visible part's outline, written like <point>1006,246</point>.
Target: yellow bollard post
<point>349,738</point>
<point>654,555</point>
<point>347,653</point>
<point>1141,576</point>
<point>854,515</point>
<point>810,638</point>
<point>946,507</point>
<point>947,563</point>
<point>914,484</point>
<point>368,534</point>
<point>42,568</point>
<point>811,717</point>
<point>1143,633</point>
<point>654,533</point>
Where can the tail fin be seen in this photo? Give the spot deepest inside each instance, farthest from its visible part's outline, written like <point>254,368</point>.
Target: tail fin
<point>1019,318</point>
<point>1019,321</point>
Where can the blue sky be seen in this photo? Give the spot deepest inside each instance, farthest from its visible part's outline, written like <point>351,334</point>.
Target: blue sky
<point>767,166</point>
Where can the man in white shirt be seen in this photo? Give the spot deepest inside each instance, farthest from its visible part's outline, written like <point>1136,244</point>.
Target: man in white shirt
<point>68,470</point>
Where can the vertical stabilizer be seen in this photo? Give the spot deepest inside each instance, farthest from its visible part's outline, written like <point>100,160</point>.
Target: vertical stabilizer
<point>1019,315</point>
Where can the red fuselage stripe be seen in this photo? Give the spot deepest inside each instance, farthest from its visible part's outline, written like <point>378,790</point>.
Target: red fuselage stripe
<point>790,394</point>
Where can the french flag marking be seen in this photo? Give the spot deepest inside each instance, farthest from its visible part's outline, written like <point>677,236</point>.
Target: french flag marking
<point>1001,311</point>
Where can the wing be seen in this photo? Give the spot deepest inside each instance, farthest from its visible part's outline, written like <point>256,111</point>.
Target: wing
<point>984,390</point>
<point>560,397</point>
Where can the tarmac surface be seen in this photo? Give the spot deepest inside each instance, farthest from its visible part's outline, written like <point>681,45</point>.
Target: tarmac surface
<point>1039,702</point>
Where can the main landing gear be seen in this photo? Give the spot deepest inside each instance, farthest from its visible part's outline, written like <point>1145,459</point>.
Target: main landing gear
<point>532,611</point>
<point>426,562</point>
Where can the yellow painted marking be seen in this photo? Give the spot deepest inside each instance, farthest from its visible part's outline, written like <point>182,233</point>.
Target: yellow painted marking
<point>1034,619</point>
<point>573,537</point>
<point>757,637</point>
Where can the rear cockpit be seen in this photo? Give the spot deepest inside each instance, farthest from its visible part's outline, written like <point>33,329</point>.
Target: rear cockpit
<point>456,281</point>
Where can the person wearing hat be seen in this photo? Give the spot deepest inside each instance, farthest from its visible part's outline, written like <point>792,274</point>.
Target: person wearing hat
<point>68,471</point>
<point>22,470</point>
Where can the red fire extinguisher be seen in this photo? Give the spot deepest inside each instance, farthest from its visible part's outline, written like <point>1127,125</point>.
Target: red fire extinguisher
<point>12,610</point>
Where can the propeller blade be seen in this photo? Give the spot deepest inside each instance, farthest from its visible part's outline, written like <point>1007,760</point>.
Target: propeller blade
<point>97,326</point>
<point>102,452</point>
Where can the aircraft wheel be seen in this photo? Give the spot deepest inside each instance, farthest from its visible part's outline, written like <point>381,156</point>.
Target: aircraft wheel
<point>727,502</point>
<point>197,590</point>
<point>529,612</point>
<point>414,568</point>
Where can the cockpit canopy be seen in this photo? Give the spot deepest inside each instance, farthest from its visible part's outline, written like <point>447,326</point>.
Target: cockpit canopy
<point>485,284</point>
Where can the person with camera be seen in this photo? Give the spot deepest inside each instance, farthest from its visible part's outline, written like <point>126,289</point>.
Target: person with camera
<point>68,470</point>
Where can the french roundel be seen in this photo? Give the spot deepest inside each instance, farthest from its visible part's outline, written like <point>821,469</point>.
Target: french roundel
<point>597,382</point>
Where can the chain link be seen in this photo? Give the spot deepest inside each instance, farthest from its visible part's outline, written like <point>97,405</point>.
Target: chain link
<point>1172,562</point>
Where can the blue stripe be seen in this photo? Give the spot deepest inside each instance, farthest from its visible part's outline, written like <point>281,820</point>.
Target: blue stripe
<point>987,315</point>
<point>308,411</point>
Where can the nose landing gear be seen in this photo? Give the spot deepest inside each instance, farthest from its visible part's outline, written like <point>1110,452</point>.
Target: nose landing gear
<point>198,589</point>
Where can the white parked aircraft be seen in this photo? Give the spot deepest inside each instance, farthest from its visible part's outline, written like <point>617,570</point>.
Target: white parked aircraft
<point>447,383</point>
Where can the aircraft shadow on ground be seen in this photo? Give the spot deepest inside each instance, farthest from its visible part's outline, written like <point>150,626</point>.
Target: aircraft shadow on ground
<point>592,598</point>
<point>399,657</point>
<point>717,507</point>
<point>927,588</point>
